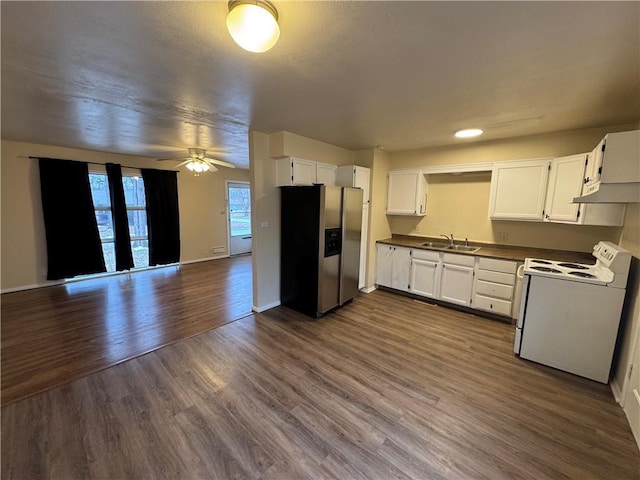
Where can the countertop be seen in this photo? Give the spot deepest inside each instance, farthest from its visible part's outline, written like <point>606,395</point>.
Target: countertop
<point>492,250</point>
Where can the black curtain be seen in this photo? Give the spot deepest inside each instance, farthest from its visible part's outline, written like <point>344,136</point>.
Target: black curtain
<point>122,239</point>
<point>163,222</point>
<point>73,241</point>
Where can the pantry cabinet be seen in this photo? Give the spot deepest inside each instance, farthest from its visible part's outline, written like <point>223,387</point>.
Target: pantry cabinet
<point>567,177</point>
<point>392,266</point>
<point>518,190</point>
<point>406,193</point>
<point>456,284</point>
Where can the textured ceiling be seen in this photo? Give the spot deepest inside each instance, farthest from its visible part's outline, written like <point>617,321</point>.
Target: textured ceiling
<point>153,78</point>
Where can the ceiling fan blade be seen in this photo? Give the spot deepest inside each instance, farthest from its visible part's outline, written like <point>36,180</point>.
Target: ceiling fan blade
<point>183,163</point>
<point>219,162</point>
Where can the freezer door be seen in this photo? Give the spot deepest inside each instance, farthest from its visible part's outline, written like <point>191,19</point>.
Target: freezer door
<point>329,259</point>
<point>351,232</point>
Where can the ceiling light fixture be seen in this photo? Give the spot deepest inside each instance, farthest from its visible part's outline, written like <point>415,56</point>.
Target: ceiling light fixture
<point>468,133</point>
<point>253,24</point>
<point>197,166</point>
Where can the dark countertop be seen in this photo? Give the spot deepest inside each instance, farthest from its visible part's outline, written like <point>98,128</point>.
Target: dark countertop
<point>492,250</point>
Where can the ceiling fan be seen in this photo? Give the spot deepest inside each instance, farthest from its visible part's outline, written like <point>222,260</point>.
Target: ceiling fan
<point>199,162</point>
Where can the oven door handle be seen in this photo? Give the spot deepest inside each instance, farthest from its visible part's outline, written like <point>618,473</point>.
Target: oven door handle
<point>520,272</point>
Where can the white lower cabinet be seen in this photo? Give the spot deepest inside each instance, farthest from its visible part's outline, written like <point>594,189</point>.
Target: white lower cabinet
<point>392,266</point>
<point>425,273</point>
<point>456,284</point>
<point>476,282</point>
<point>494,286</point>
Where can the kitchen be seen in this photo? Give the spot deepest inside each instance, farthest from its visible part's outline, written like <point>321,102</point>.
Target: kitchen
<point>458,202</point>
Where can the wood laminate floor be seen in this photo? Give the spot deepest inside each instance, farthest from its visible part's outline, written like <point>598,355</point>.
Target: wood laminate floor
<point>53,335</point>
<point>386,387</point>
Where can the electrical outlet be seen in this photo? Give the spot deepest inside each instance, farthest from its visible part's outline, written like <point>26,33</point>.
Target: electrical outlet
<point>503,237</point>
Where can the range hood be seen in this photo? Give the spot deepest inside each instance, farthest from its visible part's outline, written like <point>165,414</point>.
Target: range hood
<point>612,172</point>
<point>612,193</point>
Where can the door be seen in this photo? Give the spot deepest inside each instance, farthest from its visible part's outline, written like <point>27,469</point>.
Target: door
<point>239,217</point>
<point>384,262</point>
<point>363,245</point>
<point>401,267</point>
<point>632,400</point>
<point>565,182</point>
<point>456,284</point>
<point>325,174</point>
<point>351,242</point>
<point>518,190</point>
<point>424,277</point>
<point>403,192</point>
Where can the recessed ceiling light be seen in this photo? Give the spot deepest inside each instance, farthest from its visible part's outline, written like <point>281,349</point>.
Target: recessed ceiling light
<point>469,132</point>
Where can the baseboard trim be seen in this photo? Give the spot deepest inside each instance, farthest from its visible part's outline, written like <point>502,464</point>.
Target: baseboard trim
<point>268,306</point>
<point>617,393</point>
<point>206,259</point>
<point>31,287</point>
<point>368,289</point>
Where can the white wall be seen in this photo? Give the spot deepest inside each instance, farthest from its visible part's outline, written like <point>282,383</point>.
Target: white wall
<point>630,323</point>
<point>24,257</point>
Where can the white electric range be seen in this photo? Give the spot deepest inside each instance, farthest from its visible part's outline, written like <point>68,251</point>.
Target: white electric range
<point>570,312</point>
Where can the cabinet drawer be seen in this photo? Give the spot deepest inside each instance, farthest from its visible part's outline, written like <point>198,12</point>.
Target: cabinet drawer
<point>496,277</point>
<point>453,259</point>
<point>425,255</point>
<point>496,290</point>
<point>497,265</point>
<point>501,307</point>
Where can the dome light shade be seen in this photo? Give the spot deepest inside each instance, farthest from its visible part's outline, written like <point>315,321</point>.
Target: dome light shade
<point>468,133</point>
<point>197,166</point>
<point>253,24</point>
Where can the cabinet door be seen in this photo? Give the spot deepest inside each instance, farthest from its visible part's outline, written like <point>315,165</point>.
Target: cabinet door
<point>405,193</point>
<point>425,276</point>
<point>361,180</point>
<point>384,262</point>
<point>566,178</point>
<point>304,172</point>
<point>518,190</point>
<point>326,174</point>
<point>456,284</point>
<point>401,268</point>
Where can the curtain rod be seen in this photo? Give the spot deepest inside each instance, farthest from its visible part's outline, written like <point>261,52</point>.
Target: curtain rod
<point>96,163</point>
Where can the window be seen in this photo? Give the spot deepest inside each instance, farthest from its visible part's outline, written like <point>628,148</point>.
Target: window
<point>239,210</point>
<point>136,213</point>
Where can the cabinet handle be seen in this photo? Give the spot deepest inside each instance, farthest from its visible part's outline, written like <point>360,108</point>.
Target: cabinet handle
<point>491,306</point>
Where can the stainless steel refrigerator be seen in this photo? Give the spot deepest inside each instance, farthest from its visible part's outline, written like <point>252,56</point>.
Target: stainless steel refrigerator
<point>320,247</point>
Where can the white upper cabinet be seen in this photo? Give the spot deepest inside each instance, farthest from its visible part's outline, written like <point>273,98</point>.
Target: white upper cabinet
<point>518,190</point>
<point>326,174</point>
<point>354,176</point>
<point>295,171</point>
<point>567,178</point>
<point>406,193</point>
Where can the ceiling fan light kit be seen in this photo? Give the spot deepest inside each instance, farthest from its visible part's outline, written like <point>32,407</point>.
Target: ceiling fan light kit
<point>253,24</point>
<point>198,162</point>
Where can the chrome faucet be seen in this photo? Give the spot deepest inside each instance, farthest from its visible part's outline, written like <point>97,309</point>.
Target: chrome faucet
<point>447,237</point>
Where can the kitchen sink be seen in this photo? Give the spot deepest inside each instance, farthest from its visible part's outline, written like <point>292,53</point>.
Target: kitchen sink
<point>436,245</point>
<point>447,246</point>
<point>463,248</point>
